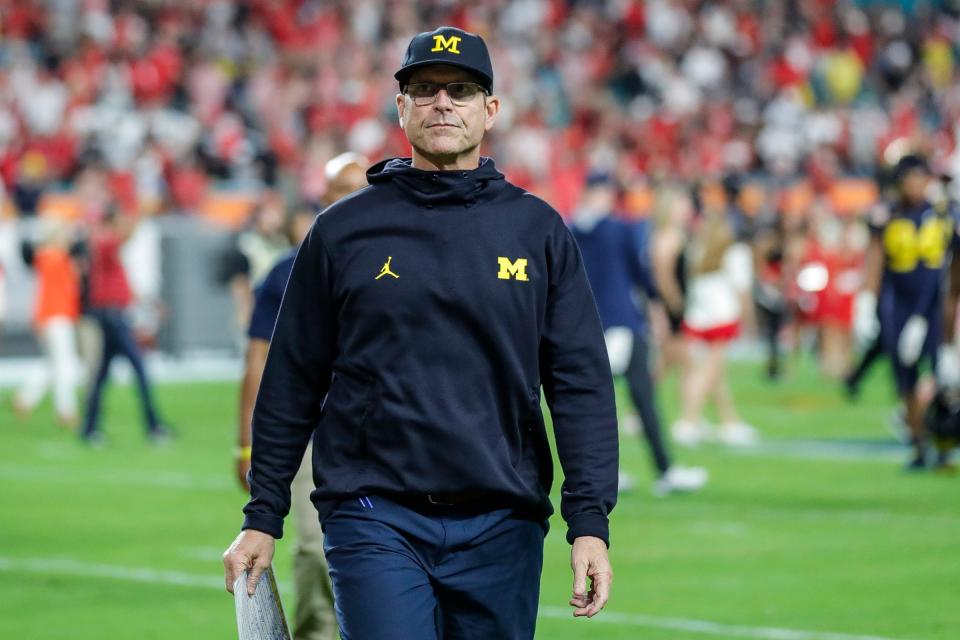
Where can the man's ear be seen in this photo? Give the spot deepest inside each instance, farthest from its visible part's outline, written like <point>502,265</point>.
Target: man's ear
<point>493,108</point>
<point>401,107</point>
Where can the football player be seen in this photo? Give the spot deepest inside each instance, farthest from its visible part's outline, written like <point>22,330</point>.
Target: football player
<point>913,241</point>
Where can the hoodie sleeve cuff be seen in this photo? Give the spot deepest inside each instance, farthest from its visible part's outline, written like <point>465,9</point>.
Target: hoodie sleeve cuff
<point>588,524</point>
<point>263,522</point>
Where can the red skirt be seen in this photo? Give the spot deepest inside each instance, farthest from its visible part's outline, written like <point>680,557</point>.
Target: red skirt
<point>719,333</point>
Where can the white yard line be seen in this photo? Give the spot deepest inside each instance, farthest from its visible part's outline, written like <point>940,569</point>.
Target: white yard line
<point>176,480</point>
<point>825,450</point>
<point>70,567</point>
<point>706,628</point>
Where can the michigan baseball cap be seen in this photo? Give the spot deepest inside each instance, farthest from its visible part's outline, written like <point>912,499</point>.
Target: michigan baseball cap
<point>448,45</point>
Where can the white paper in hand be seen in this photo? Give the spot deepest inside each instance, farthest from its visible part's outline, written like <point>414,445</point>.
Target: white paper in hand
<point>260,617</point>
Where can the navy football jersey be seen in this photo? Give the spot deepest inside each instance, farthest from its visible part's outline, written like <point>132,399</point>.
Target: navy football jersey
<point>917,245</point>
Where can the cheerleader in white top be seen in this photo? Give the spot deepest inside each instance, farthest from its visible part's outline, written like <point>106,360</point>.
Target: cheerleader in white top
<point>719,272</point>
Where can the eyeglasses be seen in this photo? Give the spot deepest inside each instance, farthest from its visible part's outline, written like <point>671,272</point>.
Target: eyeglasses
<point>460,93</point>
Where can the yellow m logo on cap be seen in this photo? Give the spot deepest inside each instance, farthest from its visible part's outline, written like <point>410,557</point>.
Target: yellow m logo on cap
<point>516,268</point>
<point>442,43</point>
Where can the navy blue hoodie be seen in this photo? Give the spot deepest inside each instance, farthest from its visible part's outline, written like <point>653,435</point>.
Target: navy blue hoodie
<point>615,253</point>
<point>421,318</point>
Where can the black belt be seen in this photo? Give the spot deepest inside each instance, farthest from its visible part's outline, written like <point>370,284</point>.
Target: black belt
<point>463,499</point>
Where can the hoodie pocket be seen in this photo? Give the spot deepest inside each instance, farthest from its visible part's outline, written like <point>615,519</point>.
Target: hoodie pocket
<point>346,411</point>
<point>535,460</point>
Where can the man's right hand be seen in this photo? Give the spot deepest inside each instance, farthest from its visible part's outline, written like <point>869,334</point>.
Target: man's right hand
<point>251,550</point>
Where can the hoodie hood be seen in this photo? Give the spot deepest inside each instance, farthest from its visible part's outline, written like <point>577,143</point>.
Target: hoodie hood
<point>439,188</point>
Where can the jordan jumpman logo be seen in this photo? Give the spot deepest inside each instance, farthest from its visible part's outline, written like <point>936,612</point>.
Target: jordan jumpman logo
<point>385,271</point>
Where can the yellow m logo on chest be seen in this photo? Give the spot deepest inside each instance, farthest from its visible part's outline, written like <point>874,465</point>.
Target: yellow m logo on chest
<point>516,269</point>
<point>441,43</point>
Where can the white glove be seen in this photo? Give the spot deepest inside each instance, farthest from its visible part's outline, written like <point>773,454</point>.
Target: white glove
<point>619,348</point>
<point>912,337</point>
<point>866,325</point>
<point>948,367</point>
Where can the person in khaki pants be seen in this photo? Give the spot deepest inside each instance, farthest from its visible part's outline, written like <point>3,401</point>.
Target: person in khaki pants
<point>314,617</point>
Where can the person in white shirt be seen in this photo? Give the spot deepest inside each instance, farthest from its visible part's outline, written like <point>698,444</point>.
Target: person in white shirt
<point>719,271</point>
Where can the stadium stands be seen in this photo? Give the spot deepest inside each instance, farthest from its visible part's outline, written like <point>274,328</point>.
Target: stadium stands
<point>183,98</point>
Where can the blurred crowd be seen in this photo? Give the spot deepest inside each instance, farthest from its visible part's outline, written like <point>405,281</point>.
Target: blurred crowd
<point>180,97</point>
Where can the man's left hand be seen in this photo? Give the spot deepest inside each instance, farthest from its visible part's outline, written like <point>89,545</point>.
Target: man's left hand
<point>589,560</point>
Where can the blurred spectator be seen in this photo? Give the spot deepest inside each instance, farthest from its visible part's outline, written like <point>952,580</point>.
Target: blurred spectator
<point>3,298</point>
<point>263,93</point>
<point>673,215</point>
<point>827,281</point>
<point>109,297</point>
<point>254,252</point>
<point>616,258</point>
<point>56,311</point>
<point>719,272</point>
<point>344,174</point>
<point>770,286</point>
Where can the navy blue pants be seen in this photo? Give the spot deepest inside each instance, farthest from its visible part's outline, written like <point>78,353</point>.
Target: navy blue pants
<point>118,340</point>
<point>429,573</point>
<point>640,384</point>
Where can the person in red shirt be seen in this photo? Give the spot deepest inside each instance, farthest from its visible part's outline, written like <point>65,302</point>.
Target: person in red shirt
<point>55,317</point>
<point>3,298</point>
<point>109,296</point>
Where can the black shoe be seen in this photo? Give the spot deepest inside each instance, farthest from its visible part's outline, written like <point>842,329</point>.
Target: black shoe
<point>160,435</point>
<point>851,388</point>
<point>943,464</point>
<point>94,440</point>
<point>774,373</point>
<point>917,463</point>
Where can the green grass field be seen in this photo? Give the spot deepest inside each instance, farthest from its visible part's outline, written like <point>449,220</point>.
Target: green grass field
<point>809,538</point>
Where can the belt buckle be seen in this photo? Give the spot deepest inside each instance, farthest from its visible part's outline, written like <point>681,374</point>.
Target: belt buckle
<point>436,502</point>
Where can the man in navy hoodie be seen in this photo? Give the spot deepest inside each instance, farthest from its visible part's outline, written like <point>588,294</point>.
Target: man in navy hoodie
<point>422,316</point>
